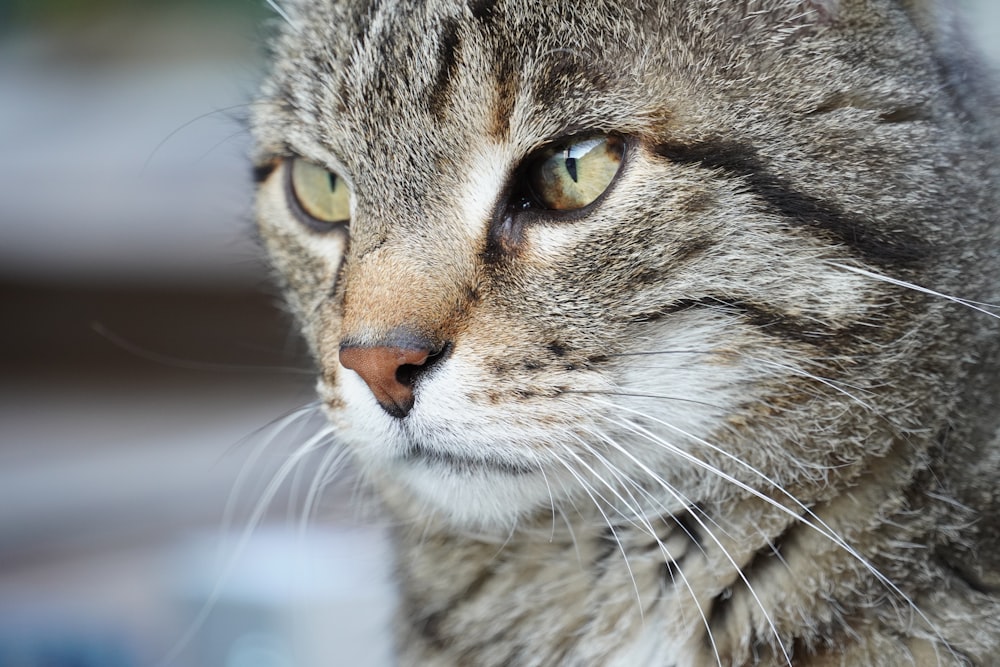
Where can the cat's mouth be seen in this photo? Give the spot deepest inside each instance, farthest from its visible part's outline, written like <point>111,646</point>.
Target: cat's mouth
<point>418,454</point>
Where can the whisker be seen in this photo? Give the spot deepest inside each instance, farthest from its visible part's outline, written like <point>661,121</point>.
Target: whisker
<point>689,505</point>
<point>641,523</point>
<point>552,499</point>
<point>820,526</point>
<point>281,12</point>
<point>669,489</point>
<point>709,352</point>
<point>590,492</point>
<point>974,305</point>
<point>644,353</point>
<point>824,381</point>
<point>569,524</point>
<point>219,143</point>
<point>267,434</point>
<point>255,518</point>
<point>184,126</point>
<point>664,550</point>
<point>176,362</point>
<point>615,392</point>
<point>325,473</point>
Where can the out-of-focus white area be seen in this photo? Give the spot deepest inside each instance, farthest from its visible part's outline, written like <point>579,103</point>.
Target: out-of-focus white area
<point>114,532</point>
<point>129,405</point>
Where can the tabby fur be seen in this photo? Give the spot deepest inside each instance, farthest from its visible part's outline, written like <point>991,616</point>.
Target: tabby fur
<point>741,410</point>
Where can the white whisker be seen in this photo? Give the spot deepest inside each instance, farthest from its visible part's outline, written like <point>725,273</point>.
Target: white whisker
<point>824,381</point>
<point>552,499</point>
<point>267,436</point>
<point>282,13</point>
<point>974,305</point>
<point>819,526</point>
<point>669,558</point>
<point>325,473</point>
<point>669,489</point>
<point>256,516</point>
<point>621,547</point>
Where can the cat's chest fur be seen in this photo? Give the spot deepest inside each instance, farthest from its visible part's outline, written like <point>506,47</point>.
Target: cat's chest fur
<point>705,588</point>
<point>640,320</point>
<point>505,606</point>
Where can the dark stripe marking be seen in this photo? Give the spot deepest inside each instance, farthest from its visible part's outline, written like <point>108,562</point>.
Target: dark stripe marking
<point>506,58</point>
<point>507,83</point>
<point>362,17</point>
<point>484,11</point>
<point>721,605</point>
<point>671,572</point>
<point>429,628</point>
<point>428,625</point>
<point>770,321</point>
<point>879,247</point>
<point>566,74</point>
<point>686,522</point>
<point>608,546</point>
<point>449,44</point>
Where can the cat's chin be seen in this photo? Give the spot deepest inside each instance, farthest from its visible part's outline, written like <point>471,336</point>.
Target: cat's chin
<point>467,494</point>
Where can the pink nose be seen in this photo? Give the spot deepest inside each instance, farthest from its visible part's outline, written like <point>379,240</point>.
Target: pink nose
<point>389,372</point>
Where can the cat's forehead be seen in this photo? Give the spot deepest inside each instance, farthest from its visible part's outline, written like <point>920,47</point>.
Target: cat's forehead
<point>355,69</point>
<point>415,79</point>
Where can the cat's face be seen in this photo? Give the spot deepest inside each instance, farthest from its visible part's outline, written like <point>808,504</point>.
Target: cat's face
<point>583,242</point>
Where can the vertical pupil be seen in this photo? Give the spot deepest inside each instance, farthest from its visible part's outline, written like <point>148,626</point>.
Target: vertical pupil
<point>571,166</point>
<point>333,181</point>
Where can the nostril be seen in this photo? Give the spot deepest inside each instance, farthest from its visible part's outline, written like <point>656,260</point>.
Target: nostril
<point>407,374</point>
<point>391,372</point>
<point>435,358</point>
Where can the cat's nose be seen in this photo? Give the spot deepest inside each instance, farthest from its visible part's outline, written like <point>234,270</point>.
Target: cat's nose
<point>390,372</point>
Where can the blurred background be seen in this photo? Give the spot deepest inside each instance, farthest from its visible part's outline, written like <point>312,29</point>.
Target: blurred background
<point>149,382</point>
<point>150,386</point>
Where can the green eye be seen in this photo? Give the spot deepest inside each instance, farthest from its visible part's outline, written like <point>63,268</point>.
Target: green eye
<point>321,194</point>
<point>570,176</point>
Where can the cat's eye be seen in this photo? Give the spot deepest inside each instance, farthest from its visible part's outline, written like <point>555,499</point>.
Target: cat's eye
<point>321,195</point>
<point>572,175</point>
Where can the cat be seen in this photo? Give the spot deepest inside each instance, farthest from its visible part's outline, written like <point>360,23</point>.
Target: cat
<point>660,329</point>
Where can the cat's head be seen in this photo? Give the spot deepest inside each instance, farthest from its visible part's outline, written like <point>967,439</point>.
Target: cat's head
<point>556,252</point>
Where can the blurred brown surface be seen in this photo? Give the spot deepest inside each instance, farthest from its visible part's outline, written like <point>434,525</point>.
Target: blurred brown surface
<point>179,331</point>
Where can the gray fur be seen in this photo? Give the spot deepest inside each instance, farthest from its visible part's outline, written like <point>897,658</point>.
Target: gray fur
<point>712,419</point>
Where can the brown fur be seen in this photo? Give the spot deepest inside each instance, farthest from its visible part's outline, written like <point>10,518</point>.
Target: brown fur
<point>696,422</point>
